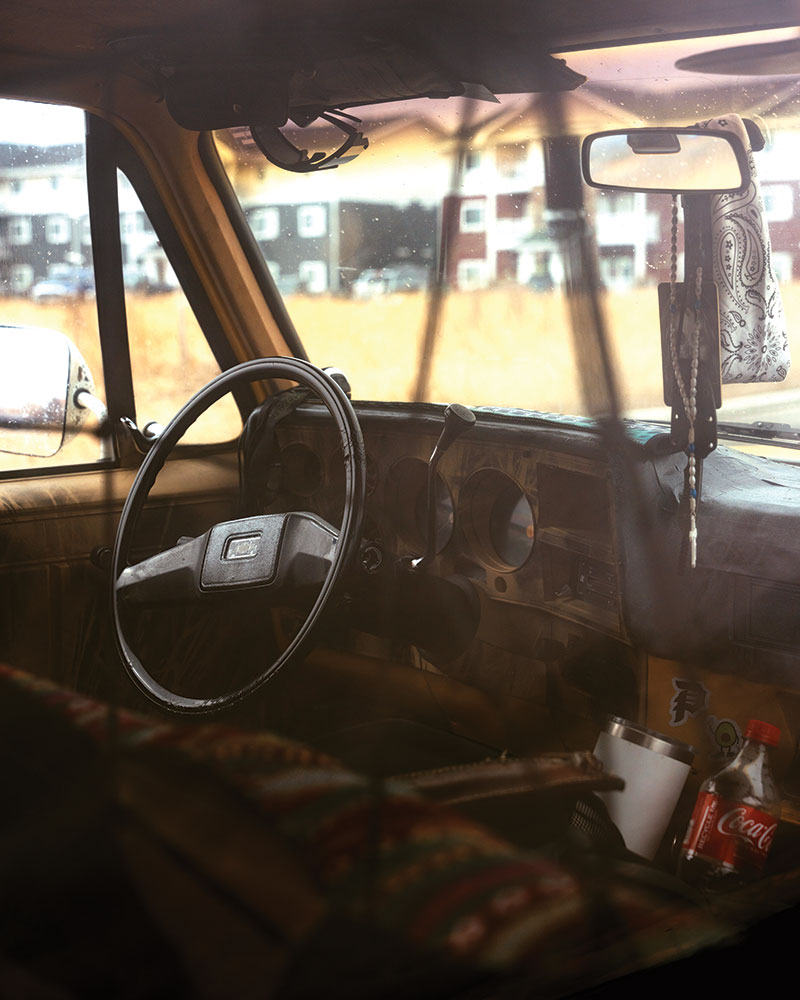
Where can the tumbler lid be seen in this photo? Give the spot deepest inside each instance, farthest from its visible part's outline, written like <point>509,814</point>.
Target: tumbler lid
<point>632,732</point>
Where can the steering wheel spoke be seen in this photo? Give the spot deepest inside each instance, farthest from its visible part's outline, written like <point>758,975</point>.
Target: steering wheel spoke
<point>286,555</point>
<point>167,576</point>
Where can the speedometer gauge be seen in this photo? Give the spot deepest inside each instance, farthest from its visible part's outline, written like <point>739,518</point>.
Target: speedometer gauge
<point>498,519</point>
<point>511,528</point>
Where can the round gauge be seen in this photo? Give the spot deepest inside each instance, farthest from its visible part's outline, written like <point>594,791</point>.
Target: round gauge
<point>302,469</point>
<point>498,519</point>
<point>511,528</point>
<point>407,499</point>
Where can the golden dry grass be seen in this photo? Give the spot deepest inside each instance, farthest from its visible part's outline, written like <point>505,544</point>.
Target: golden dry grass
<point>505,347</point>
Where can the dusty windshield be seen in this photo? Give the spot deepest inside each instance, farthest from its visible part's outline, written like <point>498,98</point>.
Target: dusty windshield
<point>451,194</point>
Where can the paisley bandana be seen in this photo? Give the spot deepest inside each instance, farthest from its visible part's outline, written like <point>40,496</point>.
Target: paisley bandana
<point>754,343</point>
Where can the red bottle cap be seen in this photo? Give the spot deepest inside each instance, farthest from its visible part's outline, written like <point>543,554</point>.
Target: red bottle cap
<point>763,732</point>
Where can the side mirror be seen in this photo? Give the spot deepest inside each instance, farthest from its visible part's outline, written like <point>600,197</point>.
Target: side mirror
<point>667,160</point>
<point>46,391</point>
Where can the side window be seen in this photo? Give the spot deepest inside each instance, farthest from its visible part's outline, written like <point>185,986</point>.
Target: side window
<point>46,281</point>
<point>170,356</point>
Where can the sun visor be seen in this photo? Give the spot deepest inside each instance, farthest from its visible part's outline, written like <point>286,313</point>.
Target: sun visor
<point>501,61</point>
<point>201,102</point>
<point>396,73</point>
<point>224,95</point>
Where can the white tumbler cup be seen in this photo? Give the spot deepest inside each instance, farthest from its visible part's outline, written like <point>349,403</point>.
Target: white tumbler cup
<point>654,768</point>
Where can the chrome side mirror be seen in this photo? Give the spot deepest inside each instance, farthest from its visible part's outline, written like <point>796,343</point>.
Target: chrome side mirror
<point>46,391</point>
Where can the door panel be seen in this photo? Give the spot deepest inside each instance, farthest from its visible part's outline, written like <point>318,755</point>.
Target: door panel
<point>54,592</point>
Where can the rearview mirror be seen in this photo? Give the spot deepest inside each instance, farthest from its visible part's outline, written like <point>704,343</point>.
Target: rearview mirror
<point>45,390</point>
<point>667,160</point>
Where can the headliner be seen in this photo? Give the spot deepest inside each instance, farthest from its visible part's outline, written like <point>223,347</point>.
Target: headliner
<point>314,54</point>
<point>69,30</point>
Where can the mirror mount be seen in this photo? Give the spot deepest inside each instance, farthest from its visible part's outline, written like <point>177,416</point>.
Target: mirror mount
<point>86,400</point>
<point>698,253</point>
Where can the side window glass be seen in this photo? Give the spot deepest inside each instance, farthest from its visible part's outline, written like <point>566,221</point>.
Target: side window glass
<point>170,356</point>
<point>46,281</point>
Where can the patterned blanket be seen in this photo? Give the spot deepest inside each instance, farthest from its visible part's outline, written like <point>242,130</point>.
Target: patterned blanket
<point>377,862</point>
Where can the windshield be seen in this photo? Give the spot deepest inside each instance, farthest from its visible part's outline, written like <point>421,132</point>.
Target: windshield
<point>450,195</point>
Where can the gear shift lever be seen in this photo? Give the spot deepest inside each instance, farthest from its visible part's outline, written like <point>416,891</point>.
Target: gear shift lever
<point>457,420</point>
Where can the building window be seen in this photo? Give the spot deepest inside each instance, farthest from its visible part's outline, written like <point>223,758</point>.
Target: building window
<point>513,206</point>
<point>133,223</point>
<point>778,202</point>
<point>511,158</point>
<point>615,202</point>
<point>21,278</point>
<point>473,217</point>
<point>266,223</point>
<point>20,230</point>
<point>56,229</point>
<point>311,220</point>
<point>472,273</point>
<point>472,160</point>
<point>617,270</point>
<point>312,277</point>
<point>86,231</point>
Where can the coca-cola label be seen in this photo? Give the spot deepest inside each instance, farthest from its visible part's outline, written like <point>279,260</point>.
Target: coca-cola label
<point>734,834</point>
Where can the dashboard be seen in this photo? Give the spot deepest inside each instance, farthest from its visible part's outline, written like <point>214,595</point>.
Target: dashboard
<point>567,541</point>
<point>524,512</point>
<point>525,519</point>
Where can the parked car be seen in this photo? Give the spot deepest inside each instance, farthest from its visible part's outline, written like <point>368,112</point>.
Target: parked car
<point>386,280</point>
<point>63,284</point>
<point>407,278</point>
<point>50,288</point>
<point>369,283</point>
<point>308,687</point>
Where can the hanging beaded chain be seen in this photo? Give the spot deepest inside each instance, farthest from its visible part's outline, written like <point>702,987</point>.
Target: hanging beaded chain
<point>689,399</point>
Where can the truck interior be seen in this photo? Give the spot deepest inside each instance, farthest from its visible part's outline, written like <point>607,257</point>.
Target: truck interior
<point>391,394</point>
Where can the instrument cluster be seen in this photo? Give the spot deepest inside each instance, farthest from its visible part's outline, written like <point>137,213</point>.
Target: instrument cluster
<point>495,514</point>
<point>528,525</point>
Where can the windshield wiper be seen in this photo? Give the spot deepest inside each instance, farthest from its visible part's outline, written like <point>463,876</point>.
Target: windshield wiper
<point>761,430</point>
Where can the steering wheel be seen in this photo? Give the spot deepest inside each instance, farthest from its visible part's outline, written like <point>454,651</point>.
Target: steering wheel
<point>278,553</point>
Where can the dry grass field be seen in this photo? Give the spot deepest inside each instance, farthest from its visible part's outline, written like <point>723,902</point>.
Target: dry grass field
<point>503,347</point>
<point>506,347</point>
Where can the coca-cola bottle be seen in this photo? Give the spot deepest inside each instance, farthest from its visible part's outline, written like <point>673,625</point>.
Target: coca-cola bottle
<point>735,818</point>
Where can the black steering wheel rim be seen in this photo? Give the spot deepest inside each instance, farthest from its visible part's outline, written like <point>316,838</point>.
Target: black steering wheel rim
<point>341,409</point>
